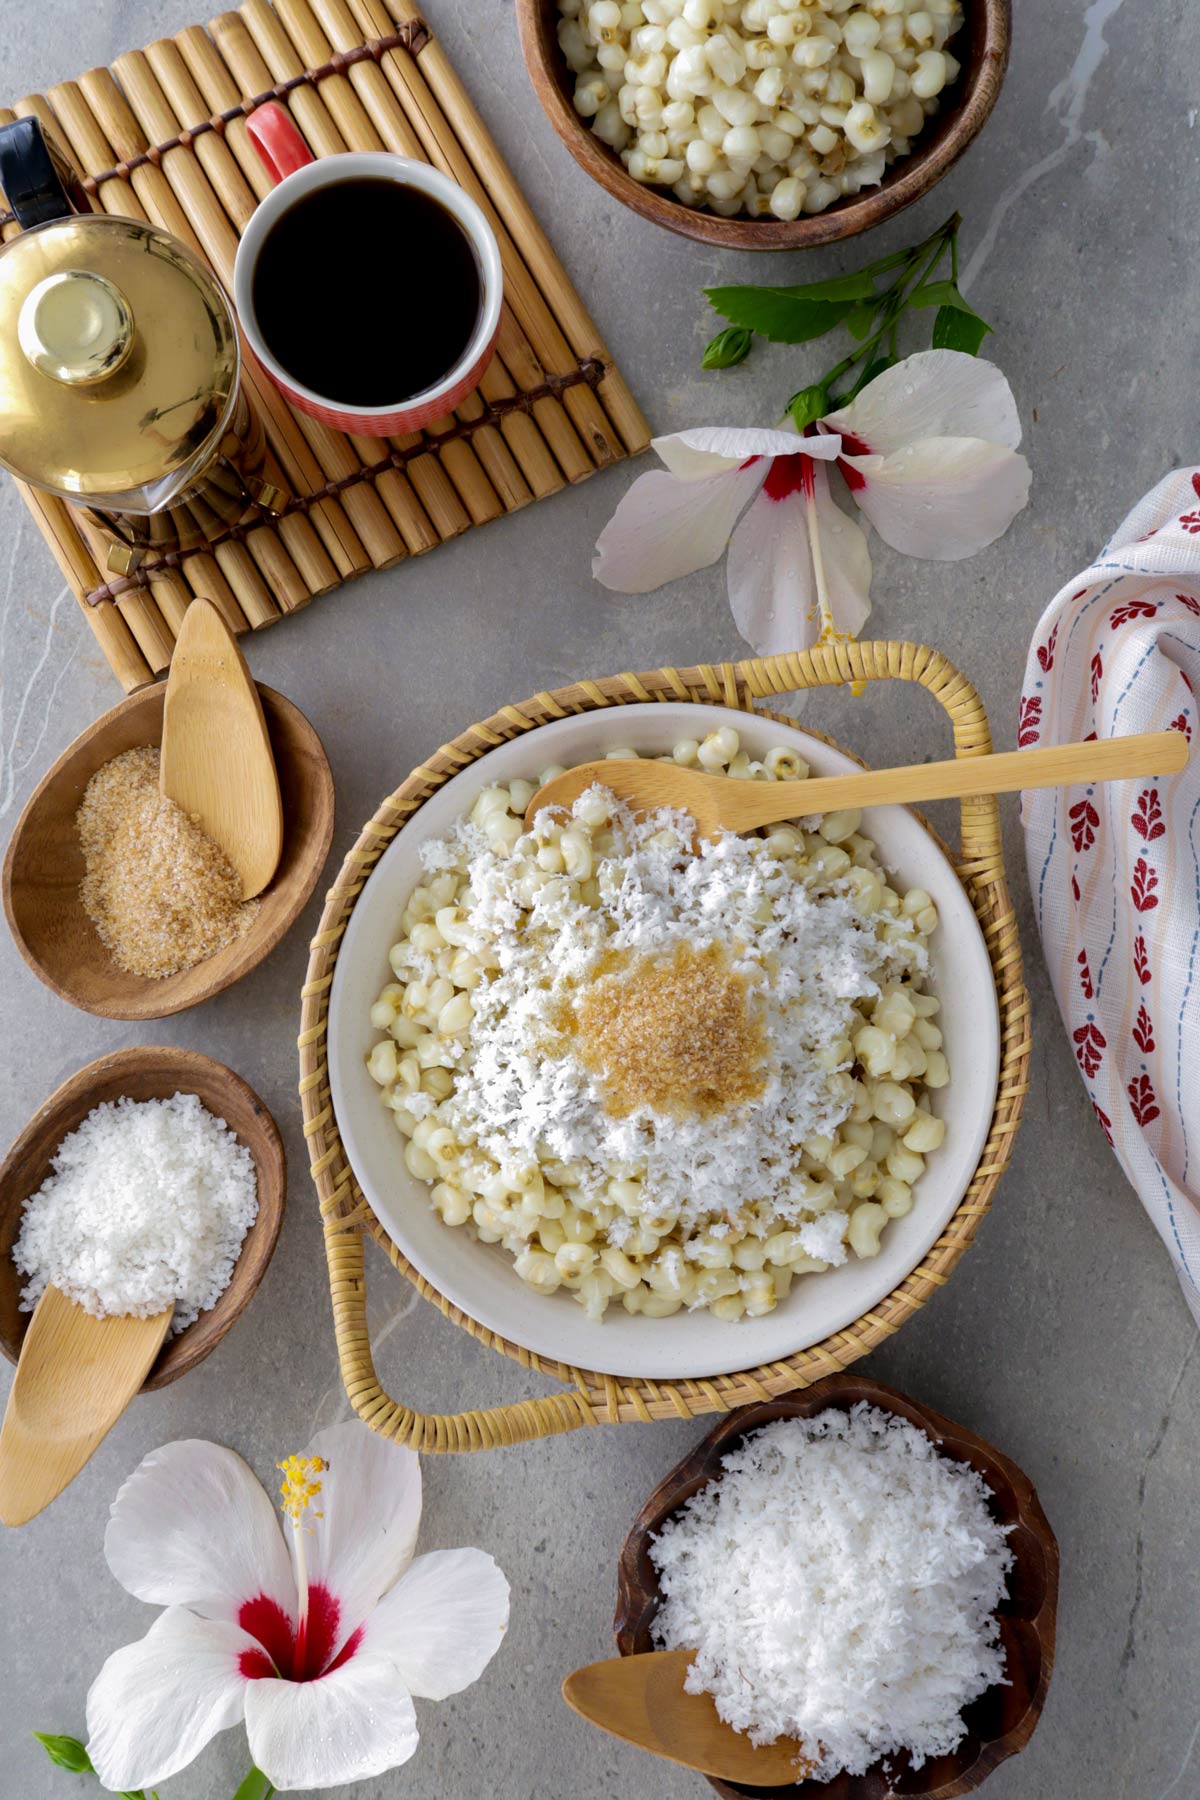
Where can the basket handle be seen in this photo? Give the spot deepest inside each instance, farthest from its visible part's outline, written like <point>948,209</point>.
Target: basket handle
<point>346,1217</point>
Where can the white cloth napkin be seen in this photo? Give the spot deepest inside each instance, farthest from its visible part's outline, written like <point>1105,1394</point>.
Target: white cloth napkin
<point>1115,869</point>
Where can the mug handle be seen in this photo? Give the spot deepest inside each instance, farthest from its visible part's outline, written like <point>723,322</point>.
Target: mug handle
<point>38,183</point>
<point>281,149</point>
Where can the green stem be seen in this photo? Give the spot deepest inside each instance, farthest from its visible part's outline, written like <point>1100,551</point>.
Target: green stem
<point>255,1787</point>
<point>895,298</point>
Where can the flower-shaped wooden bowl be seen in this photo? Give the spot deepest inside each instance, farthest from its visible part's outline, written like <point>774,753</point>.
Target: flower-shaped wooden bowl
<point>1001,1722</point>
<point>43,866</point>
<point>981,46</point>
<point>149,1072</point>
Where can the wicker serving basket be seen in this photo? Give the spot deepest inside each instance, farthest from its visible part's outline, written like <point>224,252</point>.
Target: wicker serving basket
<point>591,1398</point>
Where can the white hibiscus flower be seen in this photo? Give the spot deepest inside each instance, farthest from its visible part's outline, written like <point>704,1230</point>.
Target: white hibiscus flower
<point>320,1651</point>
<point>928,451</point>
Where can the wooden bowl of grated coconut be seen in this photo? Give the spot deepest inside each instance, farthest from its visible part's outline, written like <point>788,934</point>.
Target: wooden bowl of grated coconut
<point>160,902</point>
<point>195,1244</point>
<point>688,1552</point>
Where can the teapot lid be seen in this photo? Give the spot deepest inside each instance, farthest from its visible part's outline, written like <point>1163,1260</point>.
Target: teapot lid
<point>118,350</point>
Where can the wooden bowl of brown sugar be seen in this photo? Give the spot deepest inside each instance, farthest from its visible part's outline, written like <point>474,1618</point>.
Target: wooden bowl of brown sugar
<point>44,866</point>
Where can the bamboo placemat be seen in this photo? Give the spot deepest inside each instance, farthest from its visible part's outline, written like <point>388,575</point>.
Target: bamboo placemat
<point>162,136</point>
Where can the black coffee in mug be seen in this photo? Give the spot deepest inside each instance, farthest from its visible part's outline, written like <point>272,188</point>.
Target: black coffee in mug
<point>367,291</point>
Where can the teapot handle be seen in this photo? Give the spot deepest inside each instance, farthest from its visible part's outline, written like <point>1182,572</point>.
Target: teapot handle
<point>40,185</point>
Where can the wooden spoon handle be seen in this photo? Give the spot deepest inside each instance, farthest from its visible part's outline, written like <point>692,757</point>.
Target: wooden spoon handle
<point>1053,765</point>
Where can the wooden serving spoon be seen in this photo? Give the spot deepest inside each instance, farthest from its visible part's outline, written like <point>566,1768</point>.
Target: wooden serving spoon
<point>217,762</point>
<point>75,1377</point>
<point>718,803</point>
<point>642,1699</point>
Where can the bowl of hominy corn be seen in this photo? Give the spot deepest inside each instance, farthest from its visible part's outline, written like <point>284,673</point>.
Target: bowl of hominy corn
<point>766,124</point>
<point>484,966</point>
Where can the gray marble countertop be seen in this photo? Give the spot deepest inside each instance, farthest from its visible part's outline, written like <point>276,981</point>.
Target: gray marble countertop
<point>1062,1336</point>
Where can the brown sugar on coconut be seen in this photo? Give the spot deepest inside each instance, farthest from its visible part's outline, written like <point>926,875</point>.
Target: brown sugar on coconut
<point>677,1033</point>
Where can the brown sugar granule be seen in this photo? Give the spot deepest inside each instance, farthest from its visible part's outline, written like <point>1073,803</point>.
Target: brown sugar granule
<point>161,894</point>
<point>674,1033</point>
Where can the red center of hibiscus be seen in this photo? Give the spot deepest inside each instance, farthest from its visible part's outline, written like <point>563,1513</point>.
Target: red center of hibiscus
<point>788,475</point>
<point>265,1621</point>
<point>853,446</point>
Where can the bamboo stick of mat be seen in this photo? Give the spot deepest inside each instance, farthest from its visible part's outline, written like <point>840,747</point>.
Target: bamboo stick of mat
<point>290,40</point>
<point>121,649</point>
<point>218,241</point>
<point>450,503</point>
<point>251,75</point>
<point>529,325</point>
<point>531,449</point>
<point>445,83</point>
<point>266,55</point>
<point>490,183</point>
<point>514,454</point>
<point>113,118</point>
<point>483,470</point>
<point>90,150</point>
<point>239,200</point>
<point>220,91</point>
<point>532,316</point>
<point>518,364</point>
<point>325,545</point>
<point>332,449</point>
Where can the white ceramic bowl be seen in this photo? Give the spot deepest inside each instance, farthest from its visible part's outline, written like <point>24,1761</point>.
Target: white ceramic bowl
<point>480,1278</point>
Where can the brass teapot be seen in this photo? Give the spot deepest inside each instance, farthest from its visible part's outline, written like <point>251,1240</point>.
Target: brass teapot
<point>119,369</point>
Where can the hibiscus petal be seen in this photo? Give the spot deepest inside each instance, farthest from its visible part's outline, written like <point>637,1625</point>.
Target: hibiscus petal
<point>936,393</point>
<point>157,1703</point>
<point>772,583</point>
<point>362,1537</point>
<point>665,528</point>
<point>442,1622</point>
<point>348,1726</point>
<point>713,449</point>
<point>942,498</point>
<point>192,1527</point>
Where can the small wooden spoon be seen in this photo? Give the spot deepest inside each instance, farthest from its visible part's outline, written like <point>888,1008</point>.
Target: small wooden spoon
<point>718,803</point>
<point>216,755</point>
<point>642,1699</point>
<point>76,1376</point>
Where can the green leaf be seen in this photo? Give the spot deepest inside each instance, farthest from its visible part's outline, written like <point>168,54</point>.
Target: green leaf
<point>66,1753</point>
<point>255,1787</point>
<point>728,348</point>
<point>957,325</point>
<point>954,330</point>
<point>809,404</point>
<point>777,315</point>
<point>938,293</point>
<point>860,321</point>
<point>839,287</point>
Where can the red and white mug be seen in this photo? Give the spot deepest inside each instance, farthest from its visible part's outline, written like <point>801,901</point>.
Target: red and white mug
<point>288,160</point>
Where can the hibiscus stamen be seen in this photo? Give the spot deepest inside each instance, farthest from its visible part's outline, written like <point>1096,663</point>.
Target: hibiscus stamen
<point>829,633</point>
<point>828,629</point>
<point>297,1491</point>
